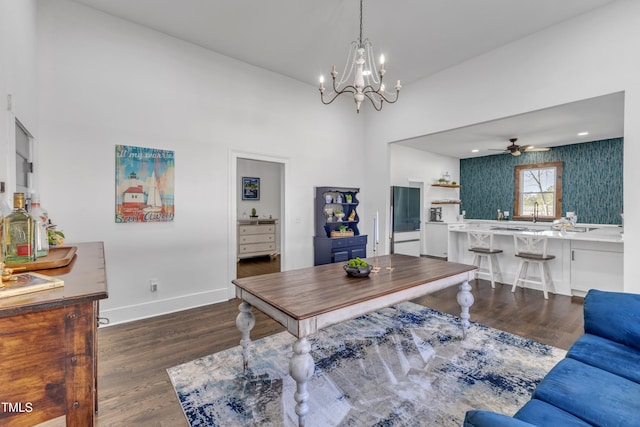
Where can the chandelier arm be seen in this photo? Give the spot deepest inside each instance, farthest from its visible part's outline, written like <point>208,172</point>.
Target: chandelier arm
<point>387,100</point>
<point>330,101</point>
<point>349,88</point>
<point>373,102</point>
<point>337,93</point>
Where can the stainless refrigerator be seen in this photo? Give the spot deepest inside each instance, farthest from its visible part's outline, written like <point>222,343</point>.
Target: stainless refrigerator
<point>406,208</point>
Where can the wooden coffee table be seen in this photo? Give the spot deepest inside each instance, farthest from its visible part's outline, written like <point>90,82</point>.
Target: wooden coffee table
<point>309,299</point>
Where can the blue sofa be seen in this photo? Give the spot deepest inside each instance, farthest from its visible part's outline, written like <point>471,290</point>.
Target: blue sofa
<point>597,383</point>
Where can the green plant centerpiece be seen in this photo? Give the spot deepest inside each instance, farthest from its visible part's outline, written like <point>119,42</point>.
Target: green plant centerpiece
<point>357,267</point>
<point>348,198</point>
<point>254,214</point>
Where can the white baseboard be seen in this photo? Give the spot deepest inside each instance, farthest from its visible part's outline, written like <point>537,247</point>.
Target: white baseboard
<point>146,310</point>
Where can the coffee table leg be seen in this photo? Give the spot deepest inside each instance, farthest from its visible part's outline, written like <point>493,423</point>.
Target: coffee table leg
<point>245,322</point>
<point>301,367</point>
<point>465,299</point>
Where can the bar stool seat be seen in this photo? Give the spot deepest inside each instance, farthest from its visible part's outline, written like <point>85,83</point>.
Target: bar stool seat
<point>533,250</point>
<point>481,244</point>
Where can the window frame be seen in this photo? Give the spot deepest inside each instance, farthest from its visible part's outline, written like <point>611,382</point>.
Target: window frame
<point>27,158</point>
<point>518,193</point>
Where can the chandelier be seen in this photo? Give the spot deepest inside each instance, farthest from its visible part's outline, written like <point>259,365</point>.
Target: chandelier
<point>361,65</point>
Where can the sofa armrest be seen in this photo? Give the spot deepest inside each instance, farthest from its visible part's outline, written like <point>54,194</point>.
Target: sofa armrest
<point>614,316</point>
<point>477,418</point>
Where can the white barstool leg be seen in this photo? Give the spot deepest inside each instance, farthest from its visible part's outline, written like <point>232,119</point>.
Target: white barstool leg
<point>518,276</point>
<point>476,262</point>
<point>497,266</point>
<point>545,277</point>
<point>490,261</point>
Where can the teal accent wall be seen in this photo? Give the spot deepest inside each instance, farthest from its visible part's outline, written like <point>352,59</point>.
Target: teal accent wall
<point>591,181</point>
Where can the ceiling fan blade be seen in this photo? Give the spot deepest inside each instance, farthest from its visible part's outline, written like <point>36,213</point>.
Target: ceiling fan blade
<point>531,149</point>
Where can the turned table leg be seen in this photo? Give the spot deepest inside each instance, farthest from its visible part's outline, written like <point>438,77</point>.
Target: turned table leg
<point>245,322</point>
<point>301,367</point>
<point>465,299</point>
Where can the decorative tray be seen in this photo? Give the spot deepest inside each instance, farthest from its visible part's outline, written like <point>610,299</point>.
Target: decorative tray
<point>56,258</point>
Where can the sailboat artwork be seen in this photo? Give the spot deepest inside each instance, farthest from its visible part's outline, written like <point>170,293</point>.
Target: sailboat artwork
<point>154,201</point>
<point>144,184</point>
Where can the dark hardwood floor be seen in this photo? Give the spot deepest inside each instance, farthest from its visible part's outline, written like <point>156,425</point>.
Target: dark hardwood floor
<point>135,390</point>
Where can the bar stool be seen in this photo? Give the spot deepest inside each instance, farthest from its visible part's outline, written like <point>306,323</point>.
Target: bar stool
<point>481,244</point>
<point>533,250</point>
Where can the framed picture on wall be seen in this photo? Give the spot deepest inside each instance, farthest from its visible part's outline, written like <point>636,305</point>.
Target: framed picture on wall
<point>144,184</point>
<point>250,188</point>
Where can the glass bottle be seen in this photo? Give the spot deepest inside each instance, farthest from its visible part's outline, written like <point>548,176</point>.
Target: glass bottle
<point>18,233</point>
<point>39,226</point>
<point>5,210</point>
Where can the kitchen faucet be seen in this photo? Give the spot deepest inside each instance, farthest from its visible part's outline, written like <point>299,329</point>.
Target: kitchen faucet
<point>535,212</point>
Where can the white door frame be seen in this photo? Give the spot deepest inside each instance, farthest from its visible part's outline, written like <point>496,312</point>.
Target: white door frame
<point>234,155</point>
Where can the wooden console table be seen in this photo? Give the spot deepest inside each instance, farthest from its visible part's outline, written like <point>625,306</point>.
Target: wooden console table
<point>48,346</point>
<point>309,299</point>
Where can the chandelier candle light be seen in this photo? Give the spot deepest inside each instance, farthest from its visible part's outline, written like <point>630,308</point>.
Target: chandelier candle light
<point>360,64</point>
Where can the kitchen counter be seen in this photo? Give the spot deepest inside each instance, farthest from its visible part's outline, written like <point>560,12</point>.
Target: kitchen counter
<point>583,232</point>
<point>587,257</point>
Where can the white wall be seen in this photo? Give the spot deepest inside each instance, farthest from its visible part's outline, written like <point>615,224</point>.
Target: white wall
<point>591,55</point>
<point>104,81</point>
<point>17,80</point>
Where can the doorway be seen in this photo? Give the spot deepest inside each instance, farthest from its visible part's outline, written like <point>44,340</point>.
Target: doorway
<point>257,214</point>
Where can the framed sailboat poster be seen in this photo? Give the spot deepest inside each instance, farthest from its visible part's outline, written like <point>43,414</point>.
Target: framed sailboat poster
<point>144,184</point>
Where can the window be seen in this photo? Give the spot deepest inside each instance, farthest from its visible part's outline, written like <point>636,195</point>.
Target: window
<point>538,191</point>
<point>23,158</point>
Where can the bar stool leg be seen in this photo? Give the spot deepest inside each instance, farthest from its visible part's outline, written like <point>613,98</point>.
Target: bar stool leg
<point>518,276</point>
<point>476,262</point>
<point>545,275</point>
<point>490,261</point>
<point>497,266</point>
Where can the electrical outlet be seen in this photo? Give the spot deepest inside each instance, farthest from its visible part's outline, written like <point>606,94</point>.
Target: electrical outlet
<point>153,284</point>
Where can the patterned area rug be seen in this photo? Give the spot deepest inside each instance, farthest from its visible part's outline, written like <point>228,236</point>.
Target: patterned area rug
<point>406,365</point>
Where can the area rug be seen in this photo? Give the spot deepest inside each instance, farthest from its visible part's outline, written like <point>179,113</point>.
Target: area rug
<point>406,365</point>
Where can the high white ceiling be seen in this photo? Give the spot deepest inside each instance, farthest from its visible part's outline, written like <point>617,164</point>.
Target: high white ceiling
<point>302,39</point>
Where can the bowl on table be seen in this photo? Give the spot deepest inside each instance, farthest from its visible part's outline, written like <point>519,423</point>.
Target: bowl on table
<point>358,271</point>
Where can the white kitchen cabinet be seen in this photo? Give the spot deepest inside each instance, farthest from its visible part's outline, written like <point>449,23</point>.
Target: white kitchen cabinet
<point>596,266</point>
<point>257,238</point>
<point>436,239</point>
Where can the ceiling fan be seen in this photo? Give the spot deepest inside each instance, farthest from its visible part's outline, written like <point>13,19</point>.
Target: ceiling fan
<point>516,150</point>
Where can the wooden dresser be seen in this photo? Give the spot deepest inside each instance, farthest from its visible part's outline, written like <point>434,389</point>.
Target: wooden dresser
<point>48,346</point>
<point>257,237</point>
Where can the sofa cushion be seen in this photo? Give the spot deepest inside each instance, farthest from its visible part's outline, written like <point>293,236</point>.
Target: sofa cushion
<point>613,315</point>
<point>591,394</point>
<point>541,413</point>
<point>608,355</point>
<point>477,418</point>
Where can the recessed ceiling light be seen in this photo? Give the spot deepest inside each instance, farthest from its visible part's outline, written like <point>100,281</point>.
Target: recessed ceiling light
<point>583,134</point>
<point>475,150</point>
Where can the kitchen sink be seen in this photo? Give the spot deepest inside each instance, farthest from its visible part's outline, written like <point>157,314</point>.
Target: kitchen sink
<point>510,228</point>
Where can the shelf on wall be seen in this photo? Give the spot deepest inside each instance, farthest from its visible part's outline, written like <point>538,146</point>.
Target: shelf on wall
<point>447,185</point>
<point>437,202</point>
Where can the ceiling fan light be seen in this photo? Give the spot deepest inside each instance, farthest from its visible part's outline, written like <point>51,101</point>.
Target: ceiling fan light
<point>516,153</point>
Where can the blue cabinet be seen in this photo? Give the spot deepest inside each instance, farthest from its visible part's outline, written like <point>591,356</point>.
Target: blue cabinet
<point>337,236</point>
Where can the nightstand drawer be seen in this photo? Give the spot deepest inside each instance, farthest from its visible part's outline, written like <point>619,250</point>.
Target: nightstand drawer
<point>257,247</point>
<point>256,238</point>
